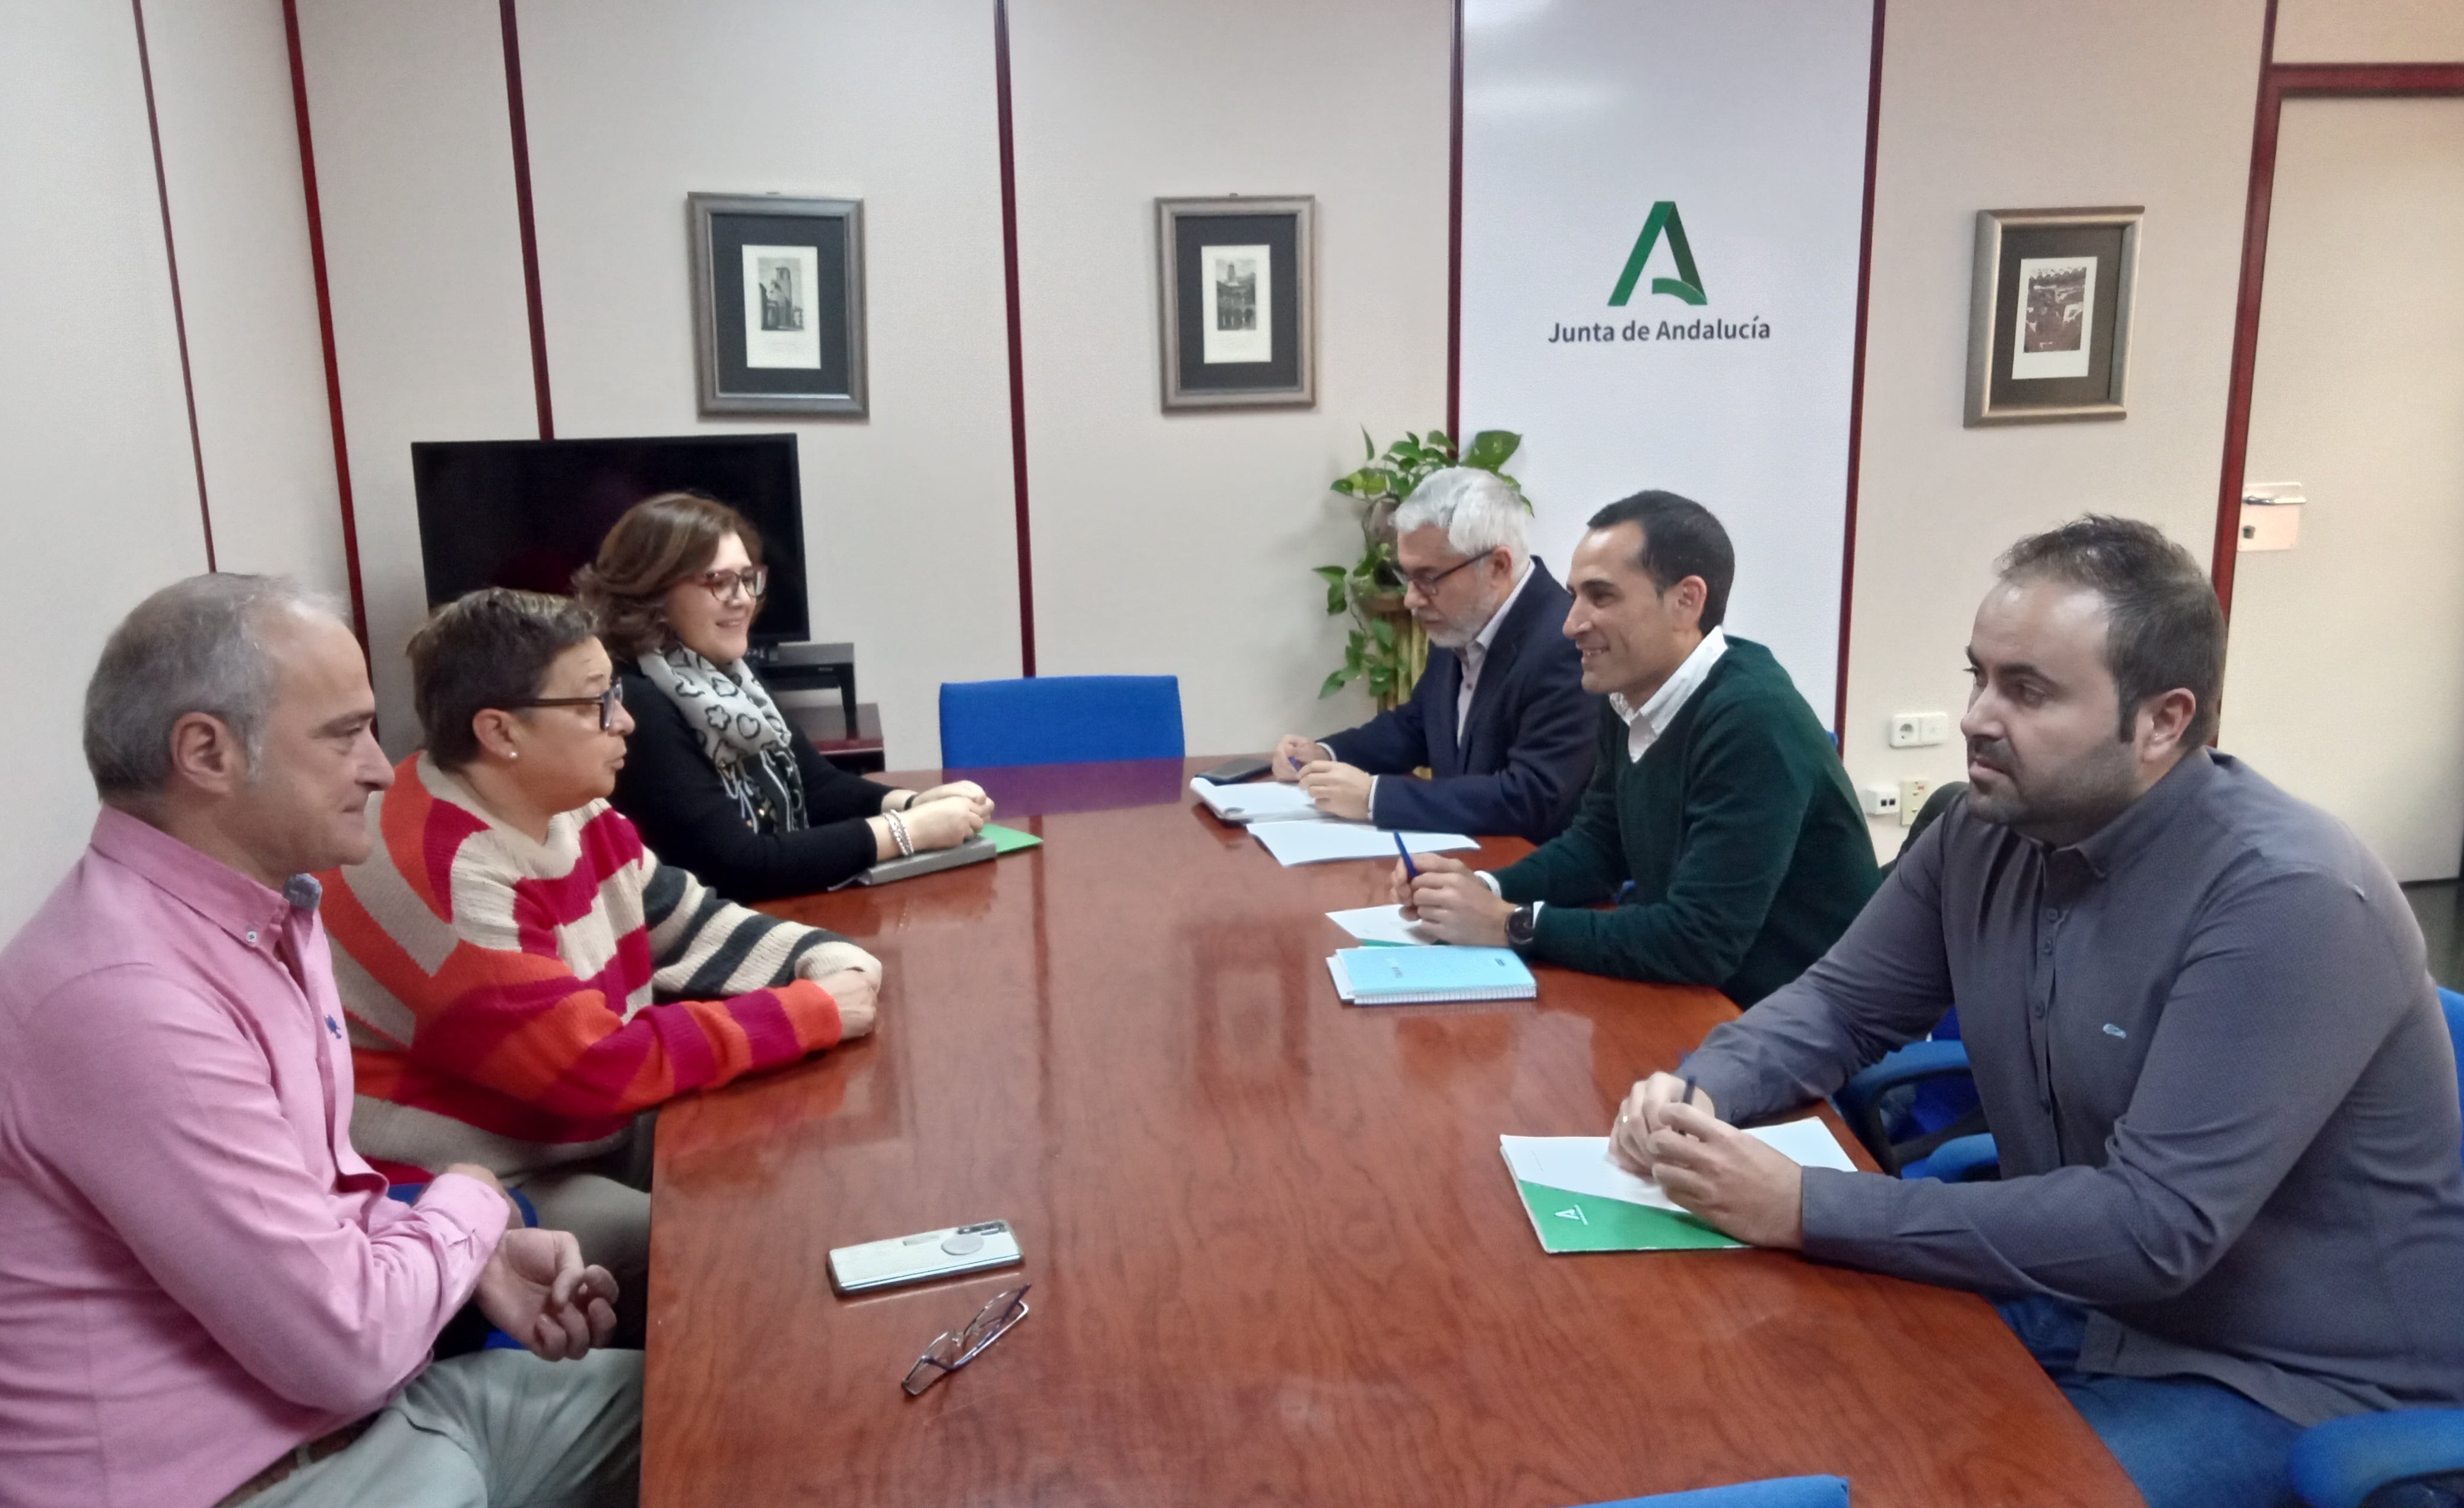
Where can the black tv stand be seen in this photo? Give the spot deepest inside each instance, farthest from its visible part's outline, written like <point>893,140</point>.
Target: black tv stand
<point>809,667</point>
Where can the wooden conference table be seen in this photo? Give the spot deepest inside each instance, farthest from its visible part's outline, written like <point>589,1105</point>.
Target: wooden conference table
<point>1276,1256</point>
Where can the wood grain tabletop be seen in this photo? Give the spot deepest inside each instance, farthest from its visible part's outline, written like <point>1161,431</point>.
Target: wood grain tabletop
<point>1276,1254</point>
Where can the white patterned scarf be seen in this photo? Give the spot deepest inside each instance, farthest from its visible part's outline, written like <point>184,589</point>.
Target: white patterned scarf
<point>742,732</point>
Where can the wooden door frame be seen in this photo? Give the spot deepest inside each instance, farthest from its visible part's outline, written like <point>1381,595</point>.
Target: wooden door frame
<point>2278,82</point>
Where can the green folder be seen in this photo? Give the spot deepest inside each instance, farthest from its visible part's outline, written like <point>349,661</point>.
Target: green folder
<point>1008,840</point>
<point>1582,1222</point>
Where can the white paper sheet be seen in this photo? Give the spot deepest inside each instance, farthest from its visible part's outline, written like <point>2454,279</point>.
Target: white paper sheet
<point>1580,1164</point>
<point>1257,801</point>
<point>1381,924</point>
<point>1316,843</point>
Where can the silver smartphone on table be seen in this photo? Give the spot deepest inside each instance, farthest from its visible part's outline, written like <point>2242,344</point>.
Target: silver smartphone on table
<point>924,1255</point>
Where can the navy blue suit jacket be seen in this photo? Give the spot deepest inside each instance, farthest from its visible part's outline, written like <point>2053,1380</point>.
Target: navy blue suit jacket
<point>1526,747</point>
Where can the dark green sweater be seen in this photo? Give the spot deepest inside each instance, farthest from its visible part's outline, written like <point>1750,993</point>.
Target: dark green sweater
<point>1738,828</point>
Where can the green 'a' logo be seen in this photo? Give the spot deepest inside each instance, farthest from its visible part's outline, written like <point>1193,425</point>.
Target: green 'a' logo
<point>1688,284</point>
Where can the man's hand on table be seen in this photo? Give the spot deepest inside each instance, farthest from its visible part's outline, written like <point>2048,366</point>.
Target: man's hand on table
<point>536,1289</point>
<point>1738,1182</point>
<point>1451,903</point>
<point>1291,754</point>
<point>1339,790</point>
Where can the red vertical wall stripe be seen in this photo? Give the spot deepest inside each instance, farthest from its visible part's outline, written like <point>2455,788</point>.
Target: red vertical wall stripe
<point>171,258</point>
<point>1017,349</point>
<point>2245,346</point>
<point>1857,376</point>
<point>522,213</point>
<point>325,323</point>
<point>1453,235</point>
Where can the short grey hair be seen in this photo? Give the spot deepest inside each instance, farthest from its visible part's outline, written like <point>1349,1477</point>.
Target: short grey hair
<point>1479,510</point>
<point>194,646</point>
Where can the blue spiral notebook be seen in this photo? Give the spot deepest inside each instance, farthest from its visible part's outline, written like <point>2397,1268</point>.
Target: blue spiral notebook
<point>1418,975</point>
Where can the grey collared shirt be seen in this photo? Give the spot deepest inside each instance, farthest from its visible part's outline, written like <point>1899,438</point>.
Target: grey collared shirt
<point>2218,1075</point>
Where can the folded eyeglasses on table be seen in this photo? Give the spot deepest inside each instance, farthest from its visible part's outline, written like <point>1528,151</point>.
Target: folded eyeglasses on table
<point>953,1349</point>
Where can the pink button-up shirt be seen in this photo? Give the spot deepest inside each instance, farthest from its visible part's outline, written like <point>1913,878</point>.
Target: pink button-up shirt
<point>196,1271</point>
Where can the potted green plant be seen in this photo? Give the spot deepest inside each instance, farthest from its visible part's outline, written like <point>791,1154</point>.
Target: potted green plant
<point>1387,648</point>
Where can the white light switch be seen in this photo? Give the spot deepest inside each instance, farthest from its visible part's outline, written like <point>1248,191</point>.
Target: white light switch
<point>2270,526</point>
<point>2271,515</point>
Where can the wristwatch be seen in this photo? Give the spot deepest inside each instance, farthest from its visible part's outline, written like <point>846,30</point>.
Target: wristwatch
<point>1520,926</point>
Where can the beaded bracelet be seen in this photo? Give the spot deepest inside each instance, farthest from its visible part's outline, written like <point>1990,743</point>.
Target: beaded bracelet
<point>898,834</point>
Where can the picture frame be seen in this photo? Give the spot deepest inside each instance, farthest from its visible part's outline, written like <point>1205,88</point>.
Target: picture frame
<point>1237,293</point>
<point>778,305</point>
<point>2050,313</point>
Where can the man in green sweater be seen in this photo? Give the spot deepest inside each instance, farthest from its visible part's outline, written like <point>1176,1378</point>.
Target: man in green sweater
<point>1716,792</point>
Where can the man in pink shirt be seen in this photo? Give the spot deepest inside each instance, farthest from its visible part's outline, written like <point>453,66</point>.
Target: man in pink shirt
<point>206,1297</point>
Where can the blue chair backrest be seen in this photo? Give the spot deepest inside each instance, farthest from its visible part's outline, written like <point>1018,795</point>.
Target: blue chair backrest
<point>1060,719</point>
<point>2452,1004</point>
<point>1780,1491</point>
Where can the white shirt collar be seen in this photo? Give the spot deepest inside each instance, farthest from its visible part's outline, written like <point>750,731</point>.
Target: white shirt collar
<point>1645,724</point>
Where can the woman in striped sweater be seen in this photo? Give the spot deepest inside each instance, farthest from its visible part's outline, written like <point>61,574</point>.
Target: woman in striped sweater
<point>523,977</point>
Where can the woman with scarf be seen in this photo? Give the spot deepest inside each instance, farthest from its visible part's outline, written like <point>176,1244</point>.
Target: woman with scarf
<point>715,776</point>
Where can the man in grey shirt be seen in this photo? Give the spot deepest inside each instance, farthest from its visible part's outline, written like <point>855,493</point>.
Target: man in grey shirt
<point>2196,1008</point>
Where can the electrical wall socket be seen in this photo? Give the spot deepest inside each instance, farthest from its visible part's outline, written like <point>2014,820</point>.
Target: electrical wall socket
<point>1919,730</point>
<point>1913,800</point>
<point>1881,800</point>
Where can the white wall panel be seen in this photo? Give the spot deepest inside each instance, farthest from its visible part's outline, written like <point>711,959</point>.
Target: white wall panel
<point>2370,31</point>
<point>415,171</point>
<point>2347,681</point>
<point>909,513</point>
<point>2000,106</point>
<point>102,502</point>
<point>1748,119</point>
<point>231,157</point>
<point>1183,543</point>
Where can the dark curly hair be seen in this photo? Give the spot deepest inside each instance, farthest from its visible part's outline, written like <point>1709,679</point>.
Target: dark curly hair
<point>660,541</point>
<point>490,648</point>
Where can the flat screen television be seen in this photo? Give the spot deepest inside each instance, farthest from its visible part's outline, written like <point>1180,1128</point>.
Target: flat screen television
<point>528,513</point>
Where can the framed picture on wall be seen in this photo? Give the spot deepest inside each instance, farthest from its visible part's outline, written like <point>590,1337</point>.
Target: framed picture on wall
<point>778,303</point>
<point>2049,316</point>
<point>1239,301</point>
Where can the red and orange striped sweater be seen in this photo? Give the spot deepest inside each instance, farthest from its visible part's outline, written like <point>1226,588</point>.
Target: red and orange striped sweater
<point>502,992</point>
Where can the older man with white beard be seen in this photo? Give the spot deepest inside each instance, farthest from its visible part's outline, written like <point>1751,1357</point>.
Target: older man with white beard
<point>1499,718</point>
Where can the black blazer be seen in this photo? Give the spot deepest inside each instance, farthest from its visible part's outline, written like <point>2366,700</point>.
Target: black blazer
<point>1527,747</point>
<point>673,793</point>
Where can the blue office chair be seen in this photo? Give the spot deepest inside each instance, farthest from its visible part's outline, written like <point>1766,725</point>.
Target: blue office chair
<point>1917,1104</point>
<point>1060,719</point>
<point>1780,1491</point>
<point>2343,1462</point>
<point>2339,1464</point>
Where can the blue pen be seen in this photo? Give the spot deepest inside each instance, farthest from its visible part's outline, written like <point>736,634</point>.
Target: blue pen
<point>1295,763</point>
<point>1411,870</point>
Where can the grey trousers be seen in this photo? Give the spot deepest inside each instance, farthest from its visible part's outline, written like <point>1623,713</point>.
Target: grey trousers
<point>491,1429</point>
<point>606,1203</point>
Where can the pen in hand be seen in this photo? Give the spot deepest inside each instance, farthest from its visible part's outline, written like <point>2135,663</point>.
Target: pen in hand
<point>1687,1098</point>
<point>1411,870</point>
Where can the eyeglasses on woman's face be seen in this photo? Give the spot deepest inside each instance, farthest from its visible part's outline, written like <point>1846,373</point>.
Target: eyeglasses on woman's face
<point>753,580</point>
<point>606,701</point>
